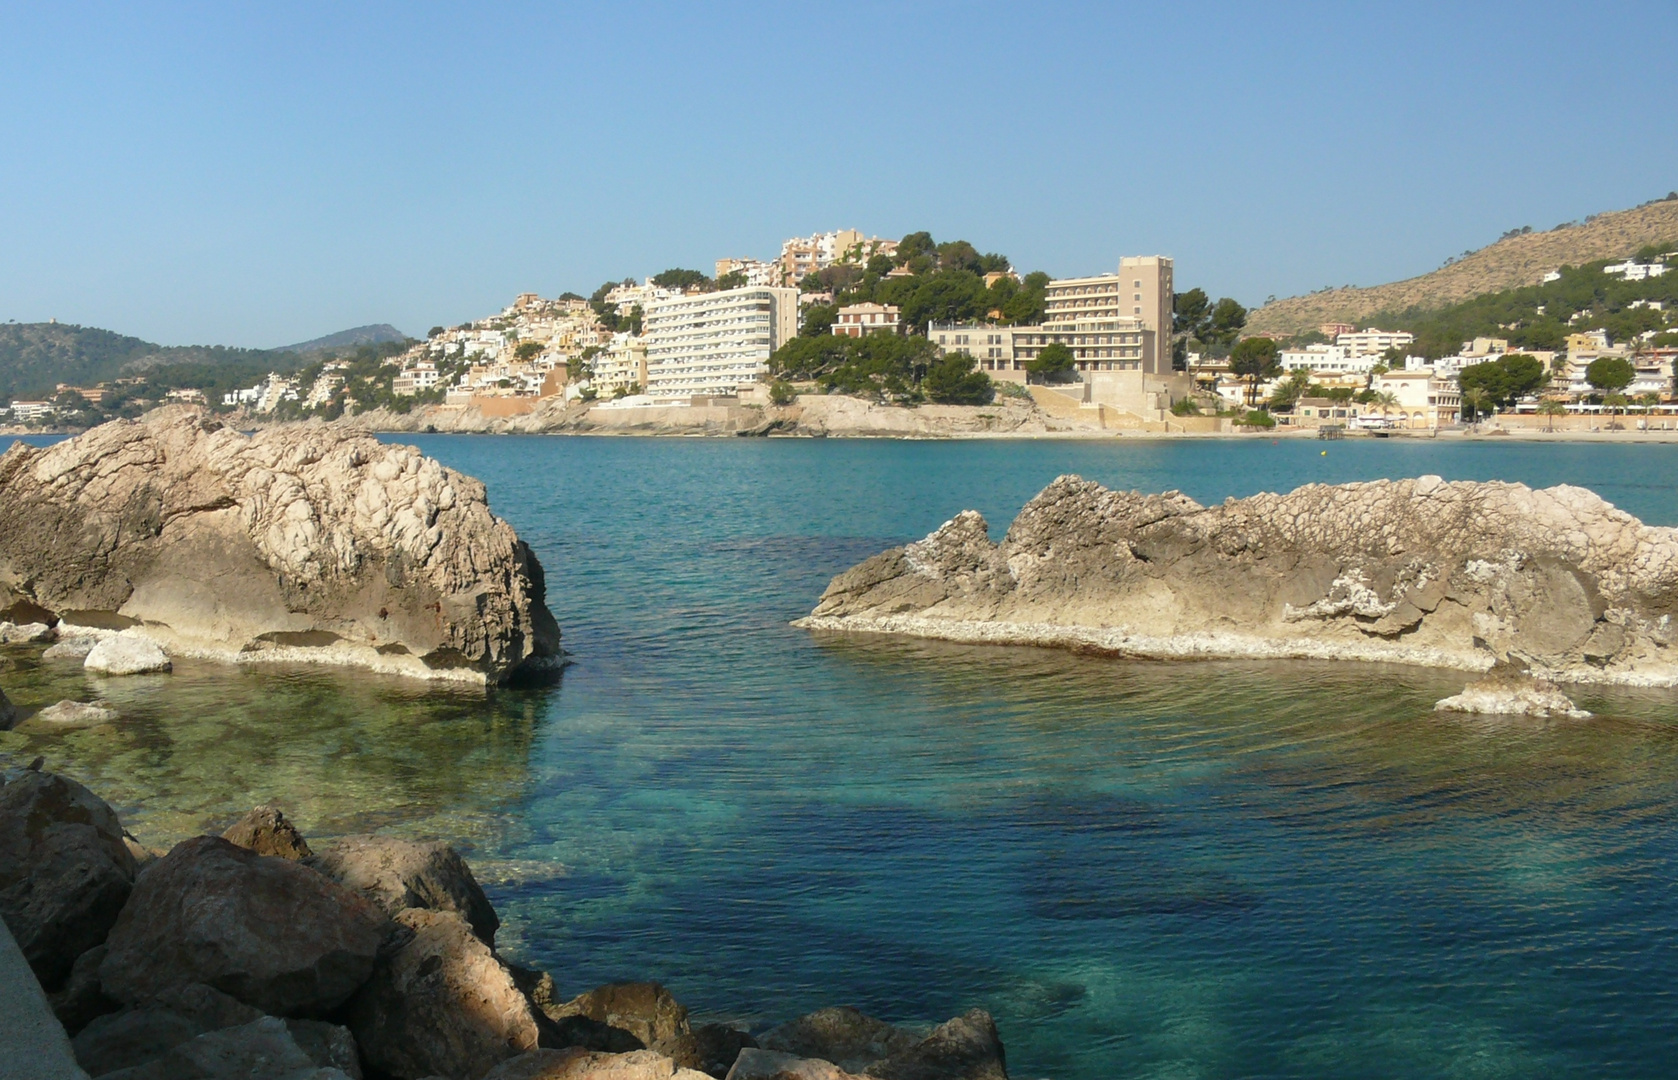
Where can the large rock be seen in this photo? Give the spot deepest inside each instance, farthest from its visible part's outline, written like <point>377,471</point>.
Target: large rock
<point>69,716</point>
<point>397,874</point>
<point>121,654</point>
<point>645,1010</point>
<point>144,1032</point>
<point>267,1048</point>
<point>301,543</point>
<point>710,1048</point>
<point>577,1063</point>
<point>267,831</point>
<point>268,931</point>
<point>1462,575</point>
<point>64,870</point>
<point>965,1048</point>
<point>842,1035</point>
<point>1505,693</point>
<point>81,999</point>
<point>8,712</point>
<point>442,1004</point>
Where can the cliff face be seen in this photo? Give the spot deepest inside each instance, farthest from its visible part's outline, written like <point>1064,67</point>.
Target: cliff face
<point>298,543</point>
<point>1460,575</point>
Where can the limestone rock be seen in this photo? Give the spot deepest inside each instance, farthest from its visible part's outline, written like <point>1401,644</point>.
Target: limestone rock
<point>69,715</point>
<point>120,654</point>
<point>1506,695</point>
<point>708,1048</point>
<point>81,999</point>
<point>841,1035</point>
<point>397,874</point>
<point>441,1004</point>
<point>762,1064</point>
<point>302,542</point>
<point>965,1048</point>
<point>263,1049</point>
<point>141,1033</point>
<point>267,931</point>
<point>1457,574</point>
<point>267,831</point>
<point>645,1010</point>
<point>579,1064</point>
<point>65,873</point>
<point>24,633</point>
<point>70,648</point>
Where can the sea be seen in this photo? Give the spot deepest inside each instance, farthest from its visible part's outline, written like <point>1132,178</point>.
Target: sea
<point>1141,869</point>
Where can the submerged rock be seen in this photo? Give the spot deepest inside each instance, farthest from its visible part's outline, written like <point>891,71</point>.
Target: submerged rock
<point>1422,571</point>
<point>267,831</point>
<point>8,712</point>
<point>70,648</point>
<point>709,1048</point>
<point>442,1004</point>
<point>302,542</point>
<point>398,874</point>
<point>965,1048</point>
<point>266,931</point>
<point>841,1035</point>
<point>1506,695</point>
<point>65,873</point>
<point>120,654</point>
<point>68,715</point>
<point>646,1011</point>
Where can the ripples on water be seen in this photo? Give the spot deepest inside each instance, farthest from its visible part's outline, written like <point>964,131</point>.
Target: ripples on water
<point>1144,869</point>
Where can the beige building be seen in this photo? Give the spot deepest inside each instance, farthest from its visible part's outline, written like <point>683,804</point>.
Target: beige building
<point>621,367</point>
<point>855,320</point>
<point>1136,300</point>
<point>757,271</point>
<point>1425,399</point>
<point>991,346</point>
<point>1373,342</point>
<point>712,344</point>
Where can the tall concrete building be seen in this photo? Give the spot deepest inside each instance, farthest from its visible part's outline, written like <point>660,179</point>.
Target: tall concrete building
<point>712,344</point>
<point>1138,300</point>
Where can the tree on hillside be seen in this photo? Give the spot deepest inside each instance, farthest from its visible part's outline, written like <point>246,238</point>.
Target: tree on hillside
<point>915,245</point>
<point>1254,359</point>
<point>1505,380</point>
<point>527,351</point>
<point>734,279</point>
<point>1190,315</point>
<point>1290,390</point>
<point>1227,320</point>
<point>1610,374</point>
<point>1054,364</point>
<point>677,278</point>
<point>819,320</point>
<point>952,380</point>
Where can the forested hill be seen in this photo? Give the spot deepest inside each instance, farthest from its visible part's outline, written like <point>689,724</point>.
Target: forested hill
<point>344,340</point>
<point>36,357</point>
<point>1520,258</point>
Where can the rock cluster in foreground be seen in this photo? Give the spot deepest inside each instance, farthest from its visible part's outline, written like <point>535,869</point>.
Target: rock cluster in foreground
<point>259,956</point>
<point>301,543</point>
<point>1555,582</point>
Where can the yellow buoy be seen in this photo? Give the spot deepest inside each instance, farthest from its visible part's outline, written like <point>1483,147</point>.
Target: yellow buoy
<point>1325,453</point>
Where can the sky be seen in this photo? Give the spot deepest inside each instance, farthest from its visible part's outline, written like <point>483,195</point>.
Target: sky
<point>259,174</point>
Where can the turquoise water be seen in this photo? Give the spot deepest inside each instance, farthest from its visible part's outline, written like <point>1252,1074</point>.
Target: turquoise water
<point>1143,869</point>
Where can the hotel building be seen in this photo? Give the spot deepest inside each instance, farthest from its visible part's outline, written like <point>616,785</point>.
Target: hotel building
<point>712,344</point>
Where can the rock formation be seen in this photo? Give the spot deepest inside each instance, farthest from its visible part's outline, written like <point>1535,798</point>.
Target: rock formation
<point>1555,582</point>
<point>398,874</point>
<point>302,542</point>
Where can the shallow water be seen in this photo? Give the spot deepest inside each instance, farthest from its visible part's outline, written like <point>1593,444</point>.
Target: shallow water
<point>1143,869</point>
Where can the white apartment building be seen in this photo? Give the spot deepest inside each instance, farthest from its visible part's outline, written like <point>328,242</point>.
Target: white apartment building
<point>757,271</point>
<point>1426,399</point>
<point>622,367</point>
<point>25,411</point>
<point>418,376</point>
<point>1327,359</point>
<point>715,343</point>
<point>1373,342</point>
<point>1635,271</point>
<point>856,320</point>
<point>803,255</point>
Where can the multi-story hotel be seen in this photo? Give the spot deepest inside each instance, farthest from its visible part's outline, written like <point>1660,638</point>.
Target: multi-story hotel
<point>621,367</point>
<point>1114,322</point>
<point>714,343</point>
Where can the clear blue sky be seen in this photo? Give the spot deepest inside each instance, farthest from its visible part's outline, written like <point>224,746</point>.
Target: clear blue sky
<point>256,174</point>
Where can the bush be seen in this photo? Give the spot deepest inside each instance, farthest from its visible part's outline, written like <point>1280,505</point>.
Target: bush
<point>1185,407</point>
<point>1054,364</point>
<point>1004,388</point>
<point>1257,418</point>
<point>951,380</point>
<point>782,393</point>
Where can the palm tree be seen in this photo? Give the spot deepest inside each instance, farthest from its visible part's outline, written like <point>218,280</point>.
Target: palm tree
<point>1476,399</point>
<point>1551,408</point>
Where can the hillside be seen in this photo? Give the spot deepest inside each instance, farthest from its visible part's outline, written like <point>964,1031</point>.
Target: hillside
<point>1510,263</point>
<point>373,334</point>
<point>36,357</point>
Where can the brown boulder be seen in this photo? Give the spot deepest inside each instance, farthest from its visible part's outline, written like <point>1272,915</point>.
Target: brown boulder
<point>64,871</point>
<point>710,1048</point>
<point>841,1035</point>
<point>442,1004</point>
<point>579,1064</point>
<point>82,999</point>
<point>774,1065</point>
<point>398,874</point>
<point>267,831</point>
<point>645,1010</point>
<point>268,931</point>
<point>965,1048</point>
<point>267,1048</point>
<point>144,1032</point>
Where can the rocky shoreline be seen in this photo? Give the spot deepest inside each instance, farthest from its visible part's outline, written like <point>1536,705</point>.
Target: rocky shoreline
<point>1556,584</point>
<point>176,535</point>
<point>257,955</point>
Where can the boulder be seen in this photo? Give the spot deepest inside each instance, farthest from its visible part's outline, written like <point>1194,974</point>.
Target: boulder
<point>68,716</point>
<point>124,655</point>
<point>645,1010</point>
<point>1460,575</point>
<point>24,633</point>
<point>441,1004</point>
<point>399,874</point>
<point>841,1035</point>
<point>267,1048</point>
<point>71,648</point>
<point>576,1063</point>
<point>965,1048</point>
<point>267,931</point>
<point>65,873</point>
<point>8,712</point>
<point>775,1065</point>
<point>267,831</point>
<point>709,1048</point>
<point>328,1045</point>
<point>1513,695</point>
<point>81,999</point>
<point>300,543</point>
<point>140,1033</point>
